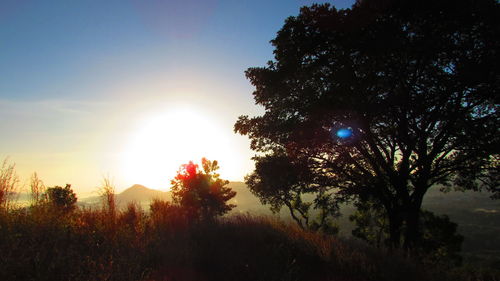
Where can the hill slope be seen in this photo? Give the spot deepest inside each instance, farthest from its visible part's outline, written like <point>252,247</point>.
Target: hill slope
<point>141,194</point>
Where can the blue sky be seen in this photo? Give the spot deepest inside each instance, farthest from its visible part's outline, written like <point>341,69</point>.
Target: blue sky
<point>79,79</point>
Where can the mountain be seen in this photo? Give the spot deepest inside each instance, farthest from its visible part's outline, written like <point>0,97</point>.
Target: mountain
<point>135,194</point>
<point>139,194</point>
<point>245,201</point>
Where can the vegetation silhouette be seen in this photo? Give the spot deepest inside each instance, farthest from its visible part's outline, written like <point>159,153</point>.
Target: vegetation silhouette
<point>8,183</point>
<point>37,189</point>
<point>416,83</point>
<point>413,86</point>
<point>440,241</point>
<point>62,199</point>
<point>278,182</point>
<point>108,243</point>
<point>202,193</point>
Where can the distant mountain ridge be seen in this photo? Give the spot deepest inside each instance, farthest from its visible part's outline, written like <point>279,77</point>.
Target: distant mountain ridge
<point>140,193</point>
<point>137,193</point>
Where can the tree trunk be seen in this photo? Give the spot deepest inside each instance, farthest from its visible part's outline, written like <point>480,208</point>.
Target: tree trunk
<point>412,233</point>
<point>395,224</point>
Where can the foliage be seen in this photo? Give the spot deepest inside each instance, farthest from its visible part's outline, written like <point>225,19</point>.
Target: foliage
<point>8,183</point>
<point>416,83</point>
<point>107,193</point>
<point>371,224</point>
<point>36,244</point>
<point>61,198</point>
<point>166,214</point>
<point>251,248</point>
<point>440,241</point>
<point>279,183</point>
<point>201,192</point>
<point>37,189</point>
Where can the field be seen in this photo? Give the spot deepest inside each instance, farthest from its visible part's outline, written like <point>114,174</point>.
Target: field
<point>129,245</point>
<point>157,242</point>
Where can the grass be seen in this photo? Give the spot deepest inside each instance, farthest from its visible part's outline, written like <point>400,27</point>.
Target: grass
<point>39,243</point>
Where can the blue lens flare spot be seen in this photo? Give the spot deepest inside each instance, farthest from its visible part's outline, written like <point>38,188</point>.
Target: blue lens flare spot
<point>344,133</point>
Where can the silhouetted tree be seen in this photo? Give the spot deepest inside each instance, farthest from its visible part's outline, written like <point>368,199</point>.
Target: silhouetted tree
<point>440,242</point>
<point>279,182</point>
<point>382,101</point>
<point>371,224</point>
<point>201,192</point>
<point>62,198</point>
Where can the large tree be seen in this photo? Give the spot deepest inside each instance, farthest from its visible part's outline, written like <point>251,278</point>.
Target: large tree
<point>380,102</point>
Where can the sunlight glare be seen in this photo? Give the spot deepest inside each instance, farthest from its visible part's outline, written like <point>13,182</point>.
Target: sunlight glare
<point>165,141</point>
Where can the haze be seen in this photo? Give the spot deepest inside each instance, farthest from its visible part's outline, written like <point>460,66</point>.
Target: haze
<point>130,89</point>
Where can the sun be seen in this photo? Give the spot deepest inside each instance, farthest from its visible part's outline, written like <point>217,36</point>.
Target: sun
<point>165,141</point>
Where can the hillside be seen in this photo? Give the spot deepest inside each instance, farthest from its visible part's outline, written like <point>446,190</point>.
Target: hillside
<point>135,194</point>
<point>475,213</point>
<point>139,193</point>
<point>90,246</point>
<point>478,218</point>
<point>246,202</point>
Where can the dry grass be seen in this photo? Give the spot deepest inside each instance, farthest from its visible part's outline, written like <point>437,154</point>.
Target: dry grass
<point>38,243</point>
<point>107,193</point>
<point>9,184</point>
<point>37,189</point>
<point>161,244</point>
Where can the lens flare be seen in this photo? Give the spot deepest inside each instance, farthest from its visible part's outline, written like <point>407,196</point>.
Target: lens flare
<point>344,133</point>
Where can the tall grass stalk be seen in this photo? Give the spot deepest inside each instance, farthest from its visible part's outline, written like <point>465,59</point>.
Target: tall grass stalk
<point>37,189</point>
<point>9,184</point>
<point>107,193</point>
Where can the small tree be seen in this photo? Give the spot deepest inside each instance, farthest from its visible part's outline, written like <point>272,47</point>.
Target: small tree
<point>201,192</point>
<point>62,198</point>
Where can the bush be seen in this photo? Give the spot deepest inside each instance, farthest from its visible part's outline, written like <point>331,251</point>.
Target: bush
<point>62,199</point>
<point>201,192</point>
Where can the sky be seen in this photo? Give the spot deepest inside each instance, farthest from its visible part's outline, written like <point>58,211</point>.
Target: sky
<point>129,89</point>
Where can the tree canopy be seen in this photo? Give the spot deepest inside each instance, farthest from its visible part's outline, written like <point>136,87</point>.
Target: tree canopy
<point>202,193</point>
<point>414,85</point>
<point>62,198</point>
